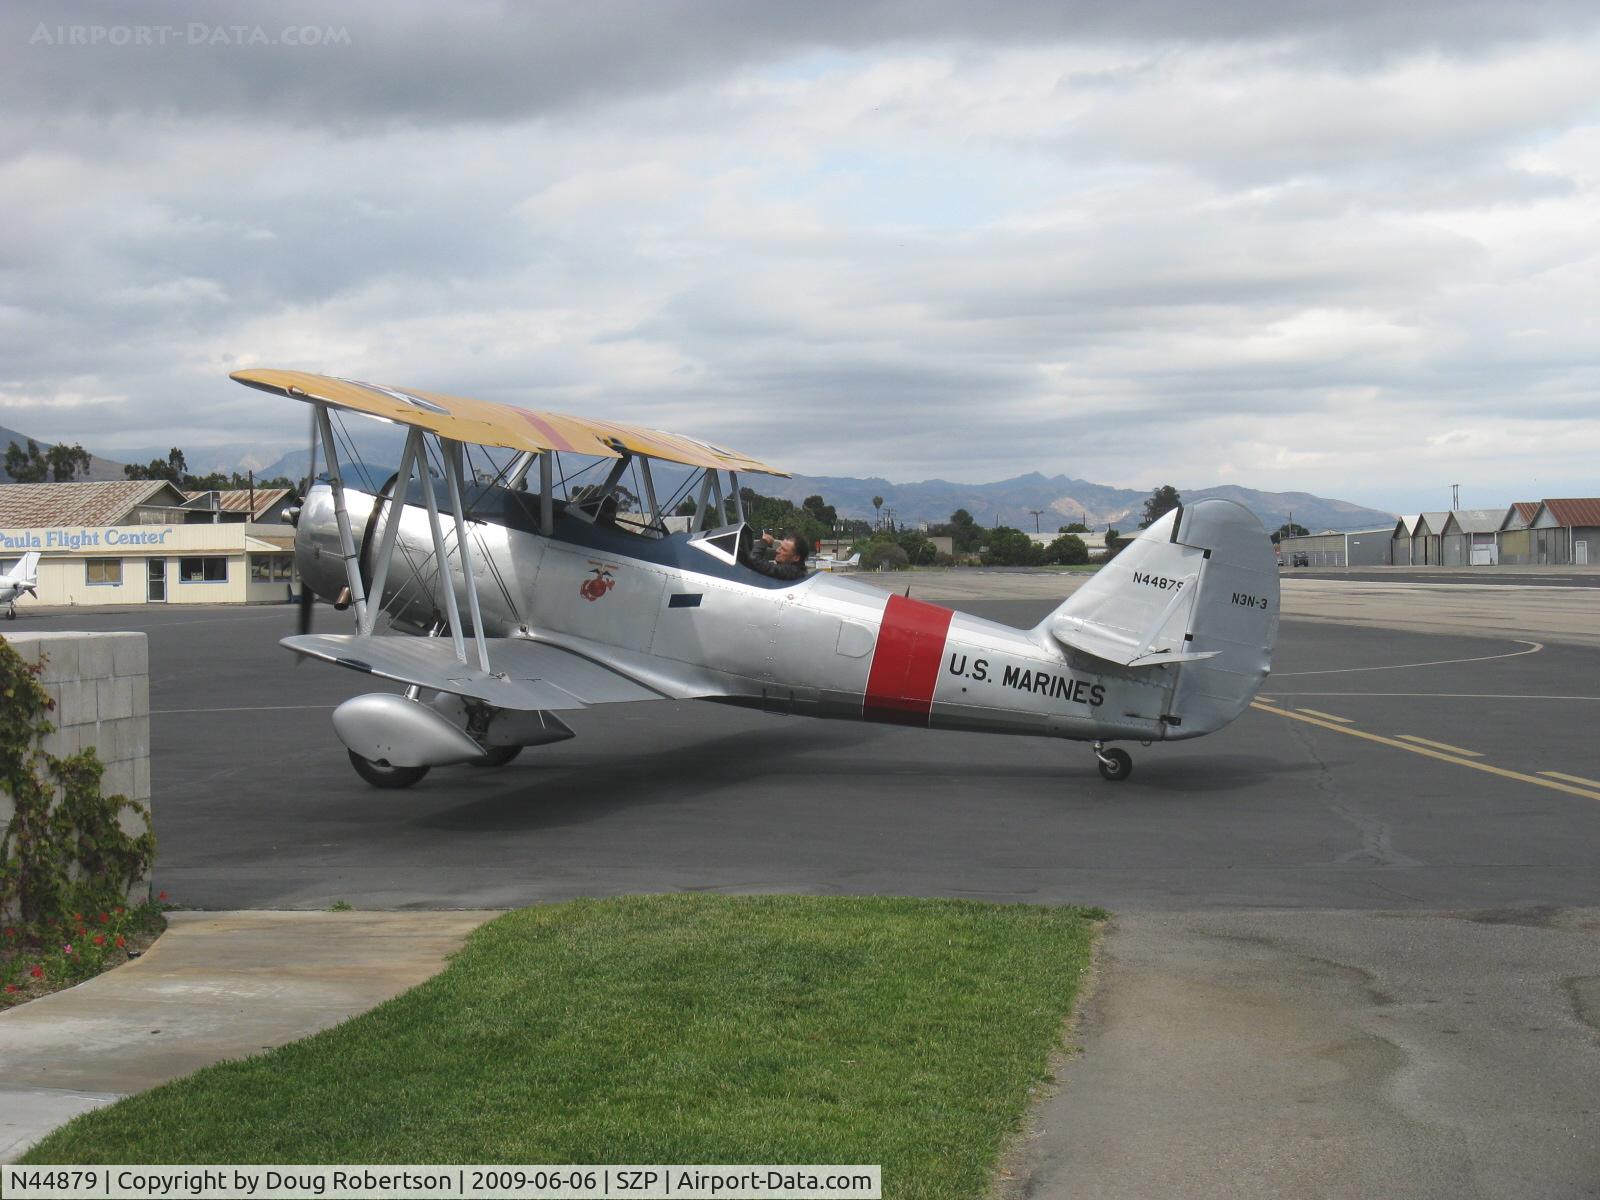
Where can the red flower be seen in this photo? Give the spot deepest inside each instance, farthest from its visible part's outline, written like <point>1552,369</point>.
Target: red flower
<point>11,987</point>
<point>99,939</point>
<point>161,896</point>
<point>67,949</point>
<point>121,941</point>
<point>77,916</point>
<point>10,932</point>
<point>105,918</point>
<point>38,971</point>
<point>120,910</point>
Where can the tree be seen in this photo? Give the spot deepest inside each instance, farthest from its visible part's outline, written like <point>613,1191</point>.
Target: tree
<point>886,554</point>
<point>1075,527</point>
<point>66,462</point>
<point>27,466</point>
<point>1290,529</point>
<point>1068,549</point>
<point>964,532</point>
<point>174,470</point>
<point>1010,548</point>
<point>1162,501</point>
<point>877,508</point>
<point>824,513</point>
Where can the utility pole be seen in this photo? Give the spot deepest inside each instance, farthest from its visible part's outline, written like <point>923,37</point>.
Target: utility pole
<point>1455,497</point>
<point>1037,512</point>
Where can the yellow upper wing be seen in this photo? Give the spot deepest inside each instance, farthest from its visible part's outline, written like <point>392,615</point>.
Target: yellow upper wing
<point>483,423</point>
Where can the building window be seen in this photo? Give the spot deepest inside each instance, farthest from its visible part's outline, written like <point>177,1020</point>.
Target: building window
<point>203,570</point>
<point>102,572</point>
<point>271,568</point>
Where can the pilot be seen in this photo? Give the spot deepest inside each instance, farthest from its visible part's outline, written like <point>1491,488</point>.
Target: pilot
<point>784,559</point>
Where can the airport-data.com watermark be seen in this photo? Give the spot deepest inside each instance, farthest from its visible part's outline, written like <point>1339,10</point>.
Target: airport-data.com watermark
<point>193,33</point>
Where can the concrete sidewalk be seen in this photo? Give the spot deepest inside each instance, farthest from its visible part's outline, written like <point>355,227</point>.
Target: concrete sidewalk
<point>1330,1054</point>
<point>215,986</point>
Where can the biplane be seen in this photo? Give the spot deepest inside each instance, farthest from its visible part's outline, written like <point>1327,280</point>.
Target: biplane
<point>504,596</point>
<point>23,580</point>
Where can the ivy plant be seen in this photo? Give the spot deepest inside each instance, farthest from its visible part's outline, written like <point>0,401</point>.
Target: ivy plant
<point>65,849</point>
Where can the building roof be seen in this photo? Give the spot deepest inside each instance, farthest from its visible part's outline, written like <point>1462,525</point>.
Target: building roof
<point>36,505</point>
<point>1433,521</point>
<point>1407,524</point>
<point>1475,520</point>
<point>1520,515</point>
<point>237,500</point>
<point>1580,511</point>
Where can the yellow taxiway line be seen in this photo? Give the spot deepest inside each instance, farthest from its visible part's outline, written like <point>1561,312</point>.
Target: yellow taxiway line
<point>1327,716</point>
<point>1594,783</point>
<point>1422,741</point>
<point>1590,792</point>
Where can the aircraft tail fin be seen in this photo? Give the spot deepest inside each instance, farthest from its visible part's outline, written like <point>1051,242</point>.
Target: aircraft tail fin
<point>27,568</point>
<point>1197,592</point>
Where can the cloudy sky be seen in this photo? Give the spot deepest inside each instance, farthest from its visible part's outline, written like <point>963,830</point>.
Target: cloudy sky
<point>1347,248</point>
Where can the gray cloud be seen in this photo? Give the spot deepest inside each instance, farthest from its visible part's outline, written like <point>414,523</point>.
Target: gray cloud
<point>1290,245</point>
<point>429,63</point>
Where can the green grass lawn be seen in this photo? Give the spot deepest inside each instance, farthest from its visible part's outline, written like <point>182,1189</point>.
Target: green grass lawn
<point>661,1029</point>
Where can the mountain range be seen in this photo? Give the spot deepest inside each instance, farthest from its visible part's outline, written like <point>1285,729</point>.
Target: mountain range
<point>1057,500</point>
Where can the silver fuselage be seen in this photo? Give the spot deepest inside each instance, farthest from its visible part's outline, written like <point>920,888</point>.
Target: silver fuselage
<point>825,646</point>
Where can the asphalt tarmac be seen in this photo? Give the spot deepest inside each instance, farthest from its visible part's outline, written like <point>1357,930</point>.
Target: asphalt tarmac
<point>256,805</point>
<point>1515,576</point>
<point>1356,949</point>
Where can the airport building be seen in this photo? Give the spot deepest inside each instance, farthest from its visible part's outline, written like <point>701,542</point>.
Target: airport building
<point>1558,532</point>
<point>1353,548</point>
<point>148,542</point>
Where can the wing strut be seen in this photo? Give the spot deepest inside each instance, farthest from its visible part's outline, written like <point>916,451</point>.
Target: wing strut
<point>547,487</point>
<point>452,474</point>
<point>654,509</point>
<point>347,545</point>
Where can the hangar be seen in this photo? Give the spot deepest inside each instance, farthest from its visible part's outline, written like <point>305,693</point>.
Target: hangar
<point>1334,548</point>
<point>1566,531</point>
<point>1470,537</point>
<point>148,542</point>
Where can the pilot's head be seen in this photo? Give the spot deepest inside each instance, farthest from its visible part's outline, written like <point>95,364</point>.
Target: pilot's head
<point>793,549</point>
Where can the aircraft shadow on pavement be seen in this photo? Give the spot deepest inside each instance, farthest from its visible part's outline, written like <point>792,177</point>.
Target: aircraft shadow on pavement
<point>554,794</point>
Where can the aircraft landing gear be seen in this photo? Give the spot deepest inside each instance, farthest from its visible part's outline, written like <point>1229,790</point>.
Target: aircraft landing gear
<point>497,756</point>
<point>1115,765</point>
<point>11,613</point>
<point>381,775</point>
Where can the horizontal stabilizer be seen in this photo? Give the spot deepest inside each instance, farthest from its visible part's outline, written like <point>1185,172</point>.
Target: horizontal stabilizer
<point>1114,645</point>
<point>526,675</point>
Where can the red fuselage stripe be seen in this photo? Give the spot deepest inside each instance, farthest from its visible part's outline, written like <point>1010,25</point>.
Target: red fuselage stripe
<point>905,662</point>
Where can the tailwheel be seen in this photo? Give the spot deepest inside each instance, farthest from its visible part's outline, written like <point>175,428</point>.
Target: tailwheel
<point>497,756</point>
<point>1115,765</point>
<point>382,775</point>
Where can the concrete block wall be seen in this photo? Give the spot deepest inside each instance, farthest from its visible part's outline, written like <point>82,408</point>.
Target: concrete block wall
<point>101,685</point>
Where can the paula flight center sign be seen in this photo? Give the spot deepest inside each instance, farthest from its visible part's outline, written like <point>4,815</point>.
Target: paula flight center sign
<point>111,537</point>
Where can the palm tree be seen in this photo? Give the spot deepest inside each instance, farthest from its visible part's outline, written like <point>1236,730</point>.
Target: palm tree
<point>877,505</point>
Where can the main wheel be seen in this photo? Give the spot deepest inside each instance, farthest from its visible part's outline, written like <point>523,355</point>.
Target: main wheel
<point>380,775</point>
<point>497,756</point>
<point>1115,765</point>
